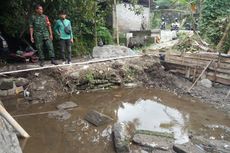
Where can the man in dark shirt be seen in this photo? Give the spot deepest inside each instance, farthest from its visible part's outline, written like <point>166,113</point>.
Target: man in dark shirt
<point>41,34</point>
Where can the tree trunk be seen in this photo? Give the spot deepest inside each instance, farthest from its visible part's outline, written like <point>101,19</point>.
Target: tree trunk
<point>222,41</point>
<point>115,20</point>
<point>95,23</point>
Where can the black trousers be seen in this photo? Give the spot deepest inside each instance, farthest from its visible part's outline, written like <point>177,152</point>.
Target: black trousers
<point>66,46</point>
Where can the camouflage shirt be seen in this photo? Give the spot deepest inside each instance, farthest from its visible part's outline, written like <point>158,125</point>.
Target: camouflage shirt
<point>40,24</point>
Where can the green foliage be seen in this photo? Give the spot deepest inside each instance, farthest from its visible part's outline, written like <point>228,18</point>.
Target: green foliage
<point>89,76</point>
<point>156,20</point>
<point>104,34</point>
<point>163,4</point>
<point>80,12</point>
<point>213,21</point>
<point>123,39</point>
<point>85,16</point>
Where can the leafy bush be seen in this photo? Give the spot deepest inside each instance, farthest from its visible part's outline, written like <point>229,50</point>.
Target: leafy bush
<point>156,20</point>
<point>213,21</point>
<point>104,34</point>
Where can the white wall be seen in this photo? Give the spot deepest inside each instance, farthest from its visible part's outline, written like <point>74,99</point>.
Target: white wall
<point>128,20</point>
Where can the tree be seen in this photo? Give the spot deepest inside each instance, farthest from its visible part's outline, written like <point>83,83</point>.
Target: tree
<point>15,23</point>
<point>215,21</point>
<point>86,15</point>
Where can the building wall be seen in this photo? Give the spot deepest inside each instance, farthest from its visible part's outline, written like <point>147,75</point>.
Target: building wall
<point>128,20</point>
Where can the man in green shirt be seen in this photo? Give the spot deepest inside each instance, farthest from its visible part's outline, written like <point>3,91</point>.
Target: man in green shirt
<point>64,31</point>
<point>41,34</point>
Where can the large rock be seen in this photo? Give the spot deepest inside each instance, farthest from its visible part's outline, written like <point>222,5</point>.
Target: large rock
<point>121,138</point>
<point>6,84</point>
<point>109,51</point>
<point>206,83</point>
<point>75,75</point>
<point>97,118</point>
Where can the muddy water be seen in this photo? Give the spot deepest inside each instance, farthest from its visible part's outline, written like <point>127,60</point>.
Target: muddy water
<point>145,109</point>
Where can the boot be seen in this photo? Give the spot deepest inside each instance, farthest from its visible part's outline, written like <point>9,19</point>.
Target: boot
<point>42,63</point>
<point>53,61</point>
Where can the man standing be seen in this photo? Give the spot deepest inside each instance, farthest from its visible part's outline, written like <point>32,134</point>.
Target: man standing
<point>64,31</point>
<point>41,34</point>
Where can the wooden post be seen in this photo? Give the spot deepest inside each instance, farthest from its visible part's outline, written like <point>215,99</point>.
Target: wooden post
<point>187,74</point>
<point>116,29</point>
<point>217,64</point>
<point>14,123</point>
<point>194,74</point>
<point>95,22</point>
<point>149,26</point>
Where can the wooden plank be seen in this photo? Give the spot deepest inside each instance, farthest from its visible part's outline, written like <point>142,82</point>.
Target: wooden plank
<point>197,58</point>
<point>203,57</point>
<point>225,71</point>
<point>218,79</point>
<point>199,63</point>
<point>210,73</point>
<point>219,75</point>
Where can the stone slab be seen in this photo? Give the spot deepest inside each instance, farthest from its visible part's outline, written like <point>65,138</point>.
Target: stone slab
<point>97,119</point>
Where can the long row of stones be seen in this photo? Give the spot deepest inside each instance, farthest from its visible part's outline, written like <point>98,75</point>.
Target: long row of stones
<point>124,136</point>
<point>148,141</point>
<point>129,140</point>
<point>12,86</point>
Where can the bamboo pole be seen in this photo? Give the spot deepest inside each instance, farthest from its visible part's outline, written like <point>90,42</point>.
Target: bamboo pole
<point>116,21</point>
<point>14,123</point>
<point>39,113</point>
<point>67,65</point>
<point>95,22</point>
<point>200,75</point>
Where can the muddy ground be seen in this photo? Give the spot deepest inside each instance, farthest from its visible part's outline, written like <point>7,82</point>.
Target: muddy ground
<point>45,85</point>
<point>51,85</point>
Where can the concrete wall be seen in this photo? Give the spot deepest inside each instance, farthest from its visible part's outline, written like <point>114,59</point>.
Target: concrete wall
<point>128,20</point>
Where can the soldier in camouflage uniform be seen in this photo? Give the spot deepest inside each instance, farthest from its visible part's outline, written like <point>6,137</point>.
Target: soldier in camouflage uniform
<point>41,34</point>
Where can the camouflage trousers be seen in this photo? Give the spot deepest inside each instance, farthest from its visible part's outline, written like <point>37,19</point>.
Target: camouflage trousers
<point>40,43</point>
